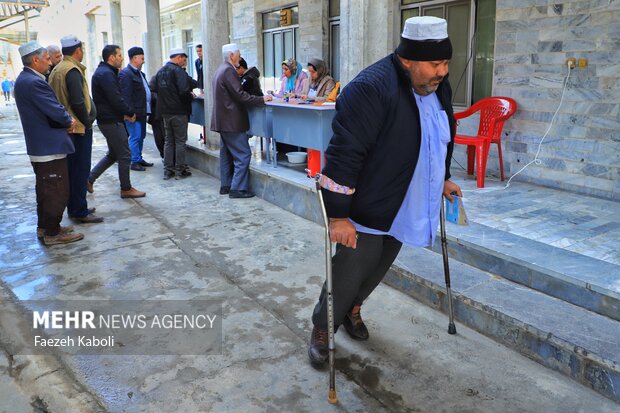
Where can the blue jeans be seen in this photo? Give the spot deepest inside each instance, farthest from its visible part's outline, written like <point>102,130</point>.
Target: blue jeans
<point>78,164</point>
<point>137,132</point>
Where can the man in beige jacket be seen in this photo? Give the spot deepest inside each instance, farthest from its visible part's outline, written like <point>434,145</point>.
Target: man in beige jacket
<point>68,80</point>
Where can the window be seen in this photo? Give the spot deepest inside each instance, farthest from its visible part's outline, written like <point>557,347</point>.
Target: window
<point>279,43</point>
<point>334,38</point>
<point>471,78</point>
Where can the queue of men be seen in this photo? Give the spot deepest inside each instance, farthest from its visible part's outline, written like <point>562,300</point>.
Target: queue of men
<point>59,131</point>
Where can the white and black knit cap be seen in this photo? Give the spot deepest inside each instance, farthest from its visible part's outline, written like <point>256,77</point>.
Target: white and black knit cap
<point>424,39</point>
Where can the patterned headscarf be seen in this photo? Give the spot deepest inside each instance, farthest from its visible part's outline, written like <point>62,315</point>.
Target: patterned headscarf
<point>291,63</point>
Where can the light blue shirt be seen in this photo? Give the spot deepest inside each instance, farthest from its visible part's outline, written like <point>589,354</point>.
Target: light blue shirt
<point>146,89</point>
<point>418,216</point>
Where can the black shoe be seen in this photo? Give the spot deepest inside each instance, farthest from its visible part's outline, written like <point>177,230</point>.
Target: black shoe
<point>137,167</point>
<point>145,163</point>
<point>168,175</point>
<point>186,172</point>
<point>354,324</point>
<point>224,190</point>
<point>240,194</point>
<point>180,175</point>
<point>318,351</point>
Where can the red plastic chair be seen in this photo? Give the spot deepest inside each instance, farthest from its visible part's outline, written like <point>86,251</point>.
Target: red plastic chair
<point>493,113</point>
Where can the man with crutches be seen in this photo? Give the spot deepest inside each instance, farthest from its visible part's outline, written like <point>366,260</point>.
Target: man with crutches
<point>387,167</point>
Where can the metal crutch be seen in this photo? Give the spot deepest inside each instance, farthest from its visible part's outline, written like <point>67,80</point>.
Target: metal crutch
<point>331,395</point>
<point>446,268</point>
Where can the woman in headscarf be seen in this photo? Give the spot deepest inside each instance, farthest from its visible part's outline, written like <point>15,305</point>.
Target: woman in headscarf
<point>294,80</point>
<point>321,83</point>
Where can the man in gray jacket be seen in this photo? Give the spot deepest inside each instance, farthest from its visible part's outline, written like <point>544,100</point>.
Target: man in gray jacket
<point>230,119</point>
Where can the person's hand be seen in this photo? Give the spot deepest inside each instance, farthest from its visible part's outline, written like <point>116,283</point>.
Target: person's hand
<point>449,187</point>
<point>304,97</point>
<point>71,128</point>
<point>267,98</point>
<point>342,231</point>
<point>131,119</point>
<point>270,92</point>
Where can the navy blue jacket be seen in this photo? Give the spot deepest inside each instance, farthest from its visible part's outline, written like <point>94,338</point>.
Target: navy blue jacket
<point>376,143</point>
<point>111,107</point>
<point>132,89</point>
<point>43,118</point>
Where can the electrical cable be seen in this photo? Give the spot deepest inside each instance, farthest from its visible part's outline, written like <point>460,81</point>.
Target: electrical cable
<point>536,160</point>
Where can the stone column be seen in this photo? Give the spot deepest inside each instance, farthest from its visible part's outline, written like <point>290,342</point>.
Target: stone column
<point>26,26</point>
<point>153,51</point>
<point>353,21</point>
<point>92,60</point>
<point>116,21</point>
<point>215,34</point>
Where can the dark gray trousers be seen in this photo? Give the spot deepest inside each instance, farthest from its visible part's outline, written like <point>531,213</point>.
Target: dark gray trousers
<point>355,275</point>
<point>118,151</point>
<point>174,146</point>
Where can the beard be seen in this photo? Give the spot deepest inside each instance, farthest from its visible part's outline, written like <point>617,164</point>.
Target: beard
<point>429,88</point>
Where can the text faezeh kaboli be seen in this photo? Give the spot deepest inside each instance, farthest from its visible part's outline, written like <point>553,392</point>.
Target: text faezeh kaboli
<point>77,341</point>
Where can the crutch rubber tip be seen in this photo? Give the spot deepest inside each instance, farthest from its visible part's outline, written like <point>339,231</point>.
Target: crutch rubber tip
<point>451,328</point>
<point>331,396</point>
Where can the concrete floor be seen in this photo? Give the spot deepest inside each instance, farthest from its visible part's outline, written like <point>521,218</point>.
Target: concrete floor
<point>185,241</point>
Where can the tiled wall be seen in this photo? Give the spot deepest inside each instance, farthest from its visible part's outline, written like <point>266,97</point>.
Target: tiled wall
<point>533,40</point>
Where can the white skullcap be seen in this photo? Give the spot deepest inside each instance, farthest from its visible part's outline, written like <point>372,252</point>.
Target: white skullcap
<point>425,28</point>
<point>176,52</point>
<point>70,41</point>
<point>29,47</point>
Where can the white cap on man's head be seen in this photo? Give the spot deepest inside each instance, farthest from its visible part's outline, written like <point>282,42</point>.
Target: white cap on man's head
<point>30,47</point>
<point>177,52</point>
<point>70,41</point>
<point>423,28</point>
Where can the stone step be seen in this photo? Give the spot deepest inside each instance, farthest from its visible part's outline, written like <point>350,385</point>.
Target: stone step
<point>575,278</point>
<point>577,342</point>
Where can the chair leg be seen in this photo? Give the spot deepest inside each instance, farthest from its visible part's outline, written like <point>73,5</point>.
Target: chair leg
<point>501,163</point>
<point>481,165</point>
<point>471,154</point>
